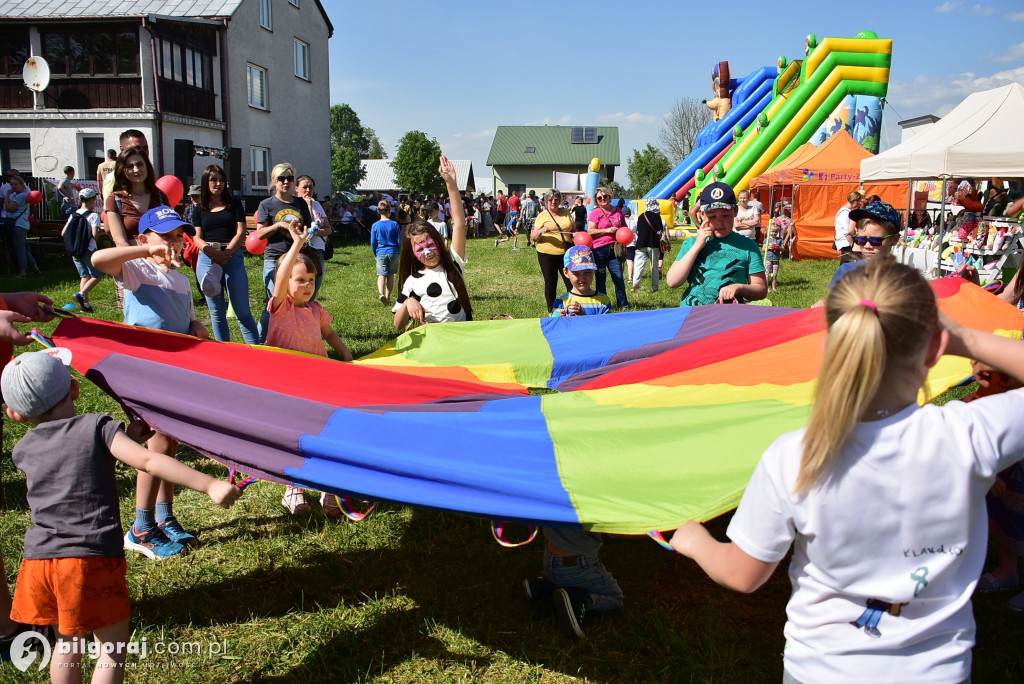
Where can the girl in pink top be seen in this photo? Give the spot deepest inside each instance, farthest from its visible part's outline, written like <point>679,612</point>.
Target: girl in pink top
<point>301,325</point>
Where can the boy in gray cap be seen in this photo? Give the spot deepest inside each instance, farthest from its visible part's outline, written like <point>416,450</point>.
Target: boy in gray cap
<point>720,265</point>
<point>73,569</point>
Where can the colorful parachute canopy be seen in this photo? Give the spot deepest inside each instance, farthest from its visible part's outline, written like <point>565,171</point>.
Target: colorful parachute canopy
<point>660,416</point>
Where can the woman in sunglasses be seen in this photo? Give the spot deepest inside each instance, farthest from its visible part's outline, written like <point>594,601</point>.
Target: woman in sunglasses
<point>273,220</point>
<point>602,223</point>
<point>878,227</point>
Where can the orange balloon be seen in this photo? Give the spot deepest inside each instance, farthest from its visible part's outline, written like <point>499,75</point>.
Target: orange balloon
<point>172,188</point>
<point>583,238</point>
<point>255,244</point>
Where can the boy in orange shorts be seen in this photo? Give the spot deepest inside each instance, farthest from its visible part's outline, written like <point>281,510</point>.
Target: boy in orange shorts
<point>73,569</point>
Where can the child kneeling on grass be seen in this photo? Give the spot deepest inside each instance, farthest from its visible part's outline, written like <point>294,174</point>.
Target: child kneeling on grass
<point>73,569</point>
<point>574,574</point>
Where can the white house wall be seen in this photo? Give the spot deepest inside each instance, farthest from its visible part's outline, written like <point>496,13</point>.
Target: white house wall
<point>299,130</point>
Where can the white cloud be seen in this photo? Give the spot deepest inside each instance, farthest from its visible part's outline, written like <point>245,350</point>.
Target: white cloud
<point>947,7</point>
<point>634,119</point>
<point>1016,16</point>
<point>927,95</point>
<point>984,10</point>
<point>548,121</point>
<point>1014,54</point>
<point>480,135</point>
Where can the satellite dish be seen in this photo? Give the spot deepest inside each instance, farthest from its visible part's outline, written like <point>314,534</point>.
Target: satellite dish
<point>36,74</point>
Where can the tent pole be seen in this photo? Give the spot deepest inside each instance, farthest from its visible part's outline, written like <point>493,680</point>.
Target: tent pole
<point>906,222</point>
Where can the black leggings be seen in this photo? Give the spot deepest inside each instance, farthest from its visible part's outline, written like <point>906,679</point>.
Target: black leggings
<point>551,268</point>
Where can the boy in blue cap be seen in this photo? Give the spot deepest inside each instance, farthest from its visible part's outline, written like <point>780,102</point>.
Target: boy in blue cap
<point>720,265</point>
<point>156,296</point>
<point>878,229</point>
<point>582,299</point>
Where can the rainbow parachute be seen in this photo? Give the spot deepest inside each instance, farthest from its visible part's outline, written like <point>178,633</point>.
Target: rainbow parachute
<point>659,416</point>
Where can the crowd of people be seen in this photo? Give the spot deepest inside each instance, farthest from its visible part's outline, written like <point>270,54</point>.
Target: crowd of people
<point>866,432</point>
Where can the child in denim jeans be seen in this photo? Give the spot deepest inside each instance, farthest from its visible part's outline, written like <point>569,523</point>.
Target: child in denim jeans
<point>574,574</point>
<point>575,577</point>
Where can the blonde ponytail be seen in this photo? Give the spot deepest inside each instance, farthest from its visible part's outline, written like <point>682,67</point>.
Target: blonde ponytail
<point>877,315</point>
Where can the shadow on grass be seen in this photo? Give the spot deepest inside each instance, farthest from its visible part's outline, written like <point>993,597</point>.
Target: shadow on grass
<point>446,577</point>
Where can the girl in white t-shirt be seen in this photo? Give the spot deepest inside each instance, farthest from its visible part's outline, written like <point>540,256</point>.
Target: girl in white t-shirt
<point>882,500</point>
<point>430,276</point>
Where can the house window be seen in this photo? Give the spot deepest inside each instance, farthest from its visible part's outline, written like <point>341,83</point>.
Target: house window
<point>294,3</point>
<point>185,65</point>
<point>256,82</point>
<point>301,59</point>
<point>259,162</point>
<point>266,21</point>
<point>531,150</point>
<point>12,59</point>
<point>74,52</point>
<point>16,153</point>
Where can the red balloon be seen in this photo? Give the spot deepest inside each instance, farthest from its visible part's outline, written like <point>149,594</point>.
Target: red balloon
<point>171,187</point>
<point>31,219</point>
<point>34,197</point>
<point>255,244</point>
<point>624,236</point>
<point>583,238</point>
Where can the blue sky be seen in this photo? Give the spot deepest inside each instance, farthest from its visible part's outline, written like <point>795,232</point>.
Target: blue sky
<point>458,70</point>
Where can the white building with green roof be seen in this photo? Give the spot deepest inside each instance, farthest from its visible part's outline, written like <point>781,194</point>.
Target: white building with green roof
<point>528,158</point>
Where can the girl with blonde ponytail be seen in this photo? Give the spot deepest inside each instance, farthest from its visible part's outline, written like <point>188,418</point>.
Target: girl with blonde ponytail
<point>881,500</point>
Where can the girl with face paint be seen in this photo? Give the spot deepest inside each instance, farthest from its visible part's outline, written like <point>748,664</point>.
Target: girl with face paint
<point>430,276</point>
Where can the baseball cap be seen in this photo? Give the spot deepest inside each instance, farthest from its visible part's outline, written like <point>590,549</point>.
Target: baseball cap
<point>163,220</point>
<point>87,193</point>
<point>579,258</point>
<point>195,190</point>
<point>35,382</point>
<point>210,282</point>
<point>717,196</point>
<point>879,210</point>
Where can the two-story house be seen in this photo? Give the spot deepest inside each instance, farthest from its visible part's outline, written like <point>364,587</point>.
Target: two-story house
<point>241,83</point>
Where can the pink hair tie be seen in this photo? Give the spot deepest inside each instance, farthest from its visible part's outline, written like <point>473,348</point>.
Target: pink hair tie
<point>868,303</point>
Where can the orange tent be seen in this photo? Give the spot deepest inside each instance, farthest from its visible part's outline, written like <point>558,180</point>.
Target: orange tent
<point>821,178</point>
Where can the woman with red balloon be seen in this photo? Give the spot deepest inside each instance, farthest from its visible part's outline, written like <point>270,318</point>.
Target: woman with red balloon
<point>603,224</point>
<point>220,231</point>
<point>17,206</point>
<point>552,231</point>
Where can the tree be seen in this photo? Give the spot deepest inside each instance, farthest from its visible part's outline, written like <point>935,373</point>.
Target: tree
<point>416,164</point>
<point>374,149</point>
<point>348,131</point>
<point>646,169</point>
<point>616,189</point>
<point>678,133</point>
<point>346,171</point>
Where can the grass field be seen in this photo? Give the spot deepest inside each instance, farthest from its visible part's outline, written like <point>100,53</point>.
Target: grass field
<point>412,595</point>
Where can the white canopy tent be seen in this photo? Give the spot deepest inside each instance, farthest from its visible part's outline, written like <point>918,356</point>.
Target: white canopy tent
<point>981,137</point>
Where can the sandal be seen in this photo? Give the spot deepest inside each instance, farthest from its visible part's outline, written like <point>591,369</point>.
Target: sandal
<point>988,584</point>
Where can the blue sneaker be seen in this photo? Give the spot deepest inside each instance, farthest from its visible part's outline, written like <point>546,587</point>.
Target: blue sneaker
<point>176,533</point>
<point>153,545</point>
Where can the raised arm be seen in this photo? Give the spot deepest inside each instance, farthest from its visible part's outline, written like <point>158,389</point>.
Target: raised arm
<point>284,267</point>
<point>447,171</point>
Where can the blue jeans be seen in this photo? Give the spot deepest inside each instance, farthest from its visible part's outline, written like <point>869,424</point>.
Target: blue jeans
<point>22,256</point>
<point>236,282</point>
<point>269,273</point>
<point>320,278</point>
<point>604,258</point>
<point>590,574</point>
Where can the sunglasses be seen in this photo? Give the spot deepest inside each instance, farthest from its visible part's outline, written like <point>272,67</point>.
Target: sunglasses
<point>603,197</point>
<point>875,241</point>
<point>285,179</point>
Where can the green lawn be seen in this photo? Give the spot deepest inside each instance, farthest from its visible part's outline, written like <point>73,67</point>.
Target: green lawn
<point>412,595</point>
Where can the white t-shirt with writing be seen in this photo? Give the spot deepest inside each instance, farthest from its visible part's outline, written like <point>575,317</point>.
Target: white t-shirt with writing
<point>887,553</point>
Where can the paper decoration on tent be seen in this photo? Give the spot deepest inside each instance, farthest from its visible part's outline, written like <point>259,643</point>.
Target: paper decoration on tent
<point>660,416</point>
